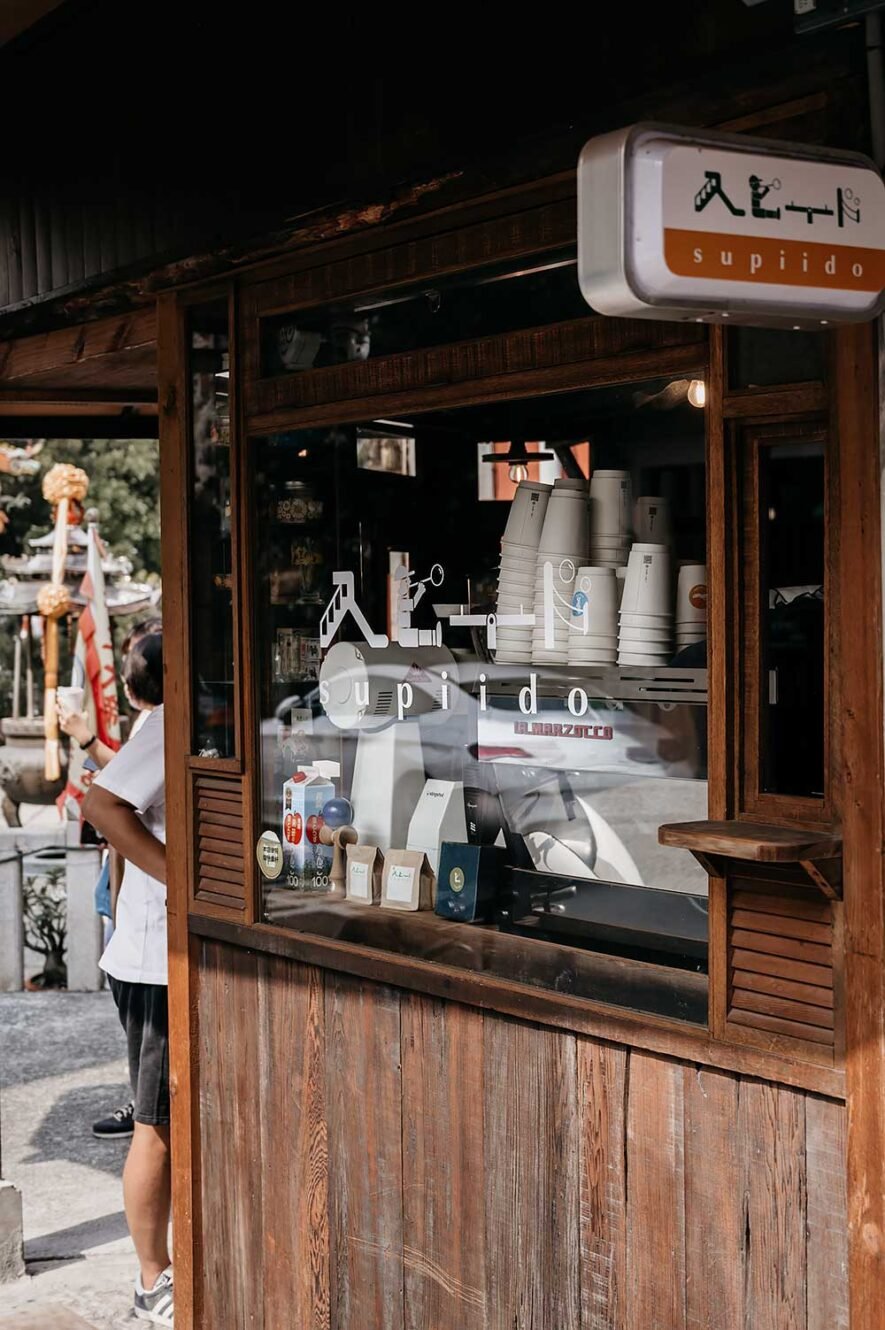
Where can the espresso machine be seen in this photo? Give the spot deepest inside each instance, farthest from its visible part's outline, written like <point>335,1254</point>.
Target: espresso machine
<point>577,800</point>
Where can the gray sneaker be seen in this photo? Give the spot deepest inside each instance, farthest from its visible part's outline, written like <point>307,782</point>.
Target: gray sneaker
<point>156,1306</point>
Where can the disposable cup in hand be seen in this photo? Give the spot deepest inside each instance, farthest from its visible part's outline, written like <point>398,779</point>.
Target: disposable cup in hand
<point>71,698</point>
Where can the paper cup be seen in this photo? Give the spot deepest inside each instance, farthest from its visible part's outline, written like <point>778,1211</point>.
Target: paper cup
<point>566,524</point>
<point>691,594</point>
<point>589,661</point>
<point>594,607</point>
<point>655,662</point>
<point>645,620</point>
<point>651,519</point>
<point>516,586</point>
<point>527,511</point>
<point>543,657</point>
<point>71,697</point>
<point>647,584</point>
<point>610,504</point>
<point>560,637</point>
<point>649,635</point>
<point>594,641</point>
<point>602,541</point>
<point>517,555</point>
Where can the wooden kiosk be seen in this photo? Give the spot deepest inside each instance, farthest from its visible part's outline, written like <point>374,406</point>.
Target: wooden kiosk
<point>391,1120</point>
<point>644,1088</point>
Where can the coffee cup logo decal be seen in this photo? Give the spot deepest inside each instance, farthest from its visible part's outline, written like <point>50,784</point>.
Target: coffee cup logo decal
<point>698,596</point>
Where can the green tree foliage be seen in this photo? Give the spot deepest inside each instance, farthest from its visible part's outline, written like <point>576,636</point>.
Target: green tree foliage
<point>124,485</point>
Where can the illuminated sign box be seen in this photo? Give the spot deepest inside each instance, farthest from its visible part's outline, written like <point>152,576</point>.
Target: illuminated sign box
<point>674,224</point>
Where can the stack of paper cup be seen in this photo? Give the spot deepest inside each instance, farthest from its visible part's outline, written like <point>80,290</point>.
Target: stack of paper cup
<point>691,605</point>
<point>562,550</point>
<point>651,520</point>
<point>519,561</point>
<point>645,634</point>
<point>610,524</point>
<point>593,639</point>
<point>554,588</point>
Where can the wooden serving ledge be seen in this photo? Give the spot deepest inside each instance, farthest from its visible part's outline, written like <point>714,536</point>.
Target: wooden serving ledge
<point>715,844</point>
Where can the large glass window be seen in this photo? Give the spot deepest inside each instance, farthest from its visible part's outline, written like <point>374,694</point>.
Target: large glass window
<point>791,488</point>
<point>764,357</point>
<point>212,633</point>
<point>504,697</point>
<point>499,298</point>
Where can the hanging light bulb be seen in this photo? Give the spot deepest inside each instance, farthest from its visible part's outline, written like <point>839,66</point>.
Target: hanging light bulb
<point>697,393</point>
<point>517,459</point>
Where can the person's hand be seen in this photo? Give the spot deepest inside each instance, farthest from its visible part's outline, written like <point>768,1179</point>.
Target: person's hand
<point>73,723</point>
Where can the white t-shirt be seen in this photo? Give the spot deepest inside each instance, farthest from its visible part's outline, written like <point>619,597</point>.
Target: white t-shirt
<point>137,950</point>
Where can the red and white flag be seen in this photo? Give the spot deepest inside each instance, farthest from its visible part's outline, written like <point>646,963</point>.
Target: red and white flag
<point>93,670</point>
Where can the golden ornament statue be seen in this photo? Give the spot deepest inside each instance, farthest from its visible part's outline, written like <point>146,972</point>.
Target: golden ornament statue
<point>53,601</point>
<point>64,486</point>
<point>65,481</point>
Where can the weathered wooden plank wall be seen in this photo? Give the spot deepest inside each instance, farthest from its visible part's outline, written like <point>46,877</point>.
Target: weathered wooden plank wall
<point>377,1160</point>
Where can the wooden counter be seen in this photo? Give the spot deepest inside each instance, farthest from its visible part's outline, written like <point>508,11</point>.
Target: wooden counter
<point>393,1160</point>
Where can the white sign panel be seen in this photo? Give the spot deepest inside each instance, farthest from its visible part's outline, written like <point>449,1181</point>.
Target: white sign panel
<point>674,224</point>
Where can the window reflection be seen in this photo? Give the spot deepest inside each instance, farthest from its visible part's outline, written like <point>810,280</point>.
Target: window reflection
<point>500,298</point>
<point>793,618</point>
<point>390,702</point>
<point>211,588</point>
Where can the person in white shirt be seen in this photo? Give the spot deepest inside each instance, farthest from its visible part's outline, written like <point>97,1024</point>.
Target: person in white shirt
<point>126,803</point>
<point>117,1125</point>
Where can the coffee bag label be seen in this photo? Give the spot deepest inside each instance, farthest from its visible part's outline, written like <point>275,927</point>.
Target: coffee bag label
<point>359,880</point>
<point>400,883</point>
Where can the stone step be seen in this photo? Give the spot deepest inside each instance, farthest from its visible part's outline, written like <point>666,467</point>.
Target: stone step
<point>44,1317</point>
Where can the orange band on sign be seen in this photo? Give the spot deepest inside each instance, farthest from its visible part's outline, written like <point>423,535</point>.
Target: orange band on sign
<point>731,258</point>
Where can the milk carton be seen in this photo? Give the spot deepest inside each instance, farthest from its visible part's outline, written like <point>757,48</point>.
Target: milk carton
<point>307,861</point>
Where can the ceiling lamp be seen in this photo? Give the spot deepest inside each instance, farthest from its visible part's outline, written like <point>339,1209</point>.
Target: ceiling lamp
<point>517,458</point>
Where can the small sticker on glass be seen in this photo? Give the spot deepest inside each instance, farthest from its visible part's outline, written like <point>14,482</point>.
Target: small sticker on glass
<point>269,853</point>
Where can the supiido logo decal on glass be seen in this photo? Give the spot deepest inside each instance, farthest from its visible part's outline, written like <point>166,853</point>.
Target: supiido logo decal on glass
<point>572,609</point>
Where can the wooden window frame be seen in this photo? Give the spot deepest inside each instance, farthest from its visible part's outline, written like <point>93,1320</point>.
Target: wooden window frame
<point>752,801</point>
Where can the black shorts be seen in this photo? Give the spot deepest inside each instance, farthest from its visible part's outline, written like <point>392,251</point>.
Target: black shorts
<point>144,1015</point>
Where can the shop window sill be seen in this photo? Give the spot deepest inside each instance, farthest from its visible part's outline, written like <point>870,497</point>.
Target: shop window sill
<point>715,845</point>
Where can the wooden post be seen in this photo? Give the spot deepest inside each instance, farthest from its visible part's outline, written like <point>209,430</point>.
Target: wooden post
<point>858,623</point>
<point>183,969</point>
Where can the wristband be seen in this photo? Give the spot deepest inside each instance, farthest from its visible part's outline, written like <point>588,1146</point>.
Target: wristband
<point>89,742</point>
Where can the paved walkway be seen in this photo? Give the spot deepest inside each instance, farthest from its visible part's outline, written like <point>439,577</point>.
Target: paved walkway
<point>62,1064</point>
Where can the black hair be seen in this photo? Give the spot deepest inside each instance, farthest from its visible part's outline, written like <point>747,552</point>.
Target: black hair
<point>143,629</point>
<point>143,670</point>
